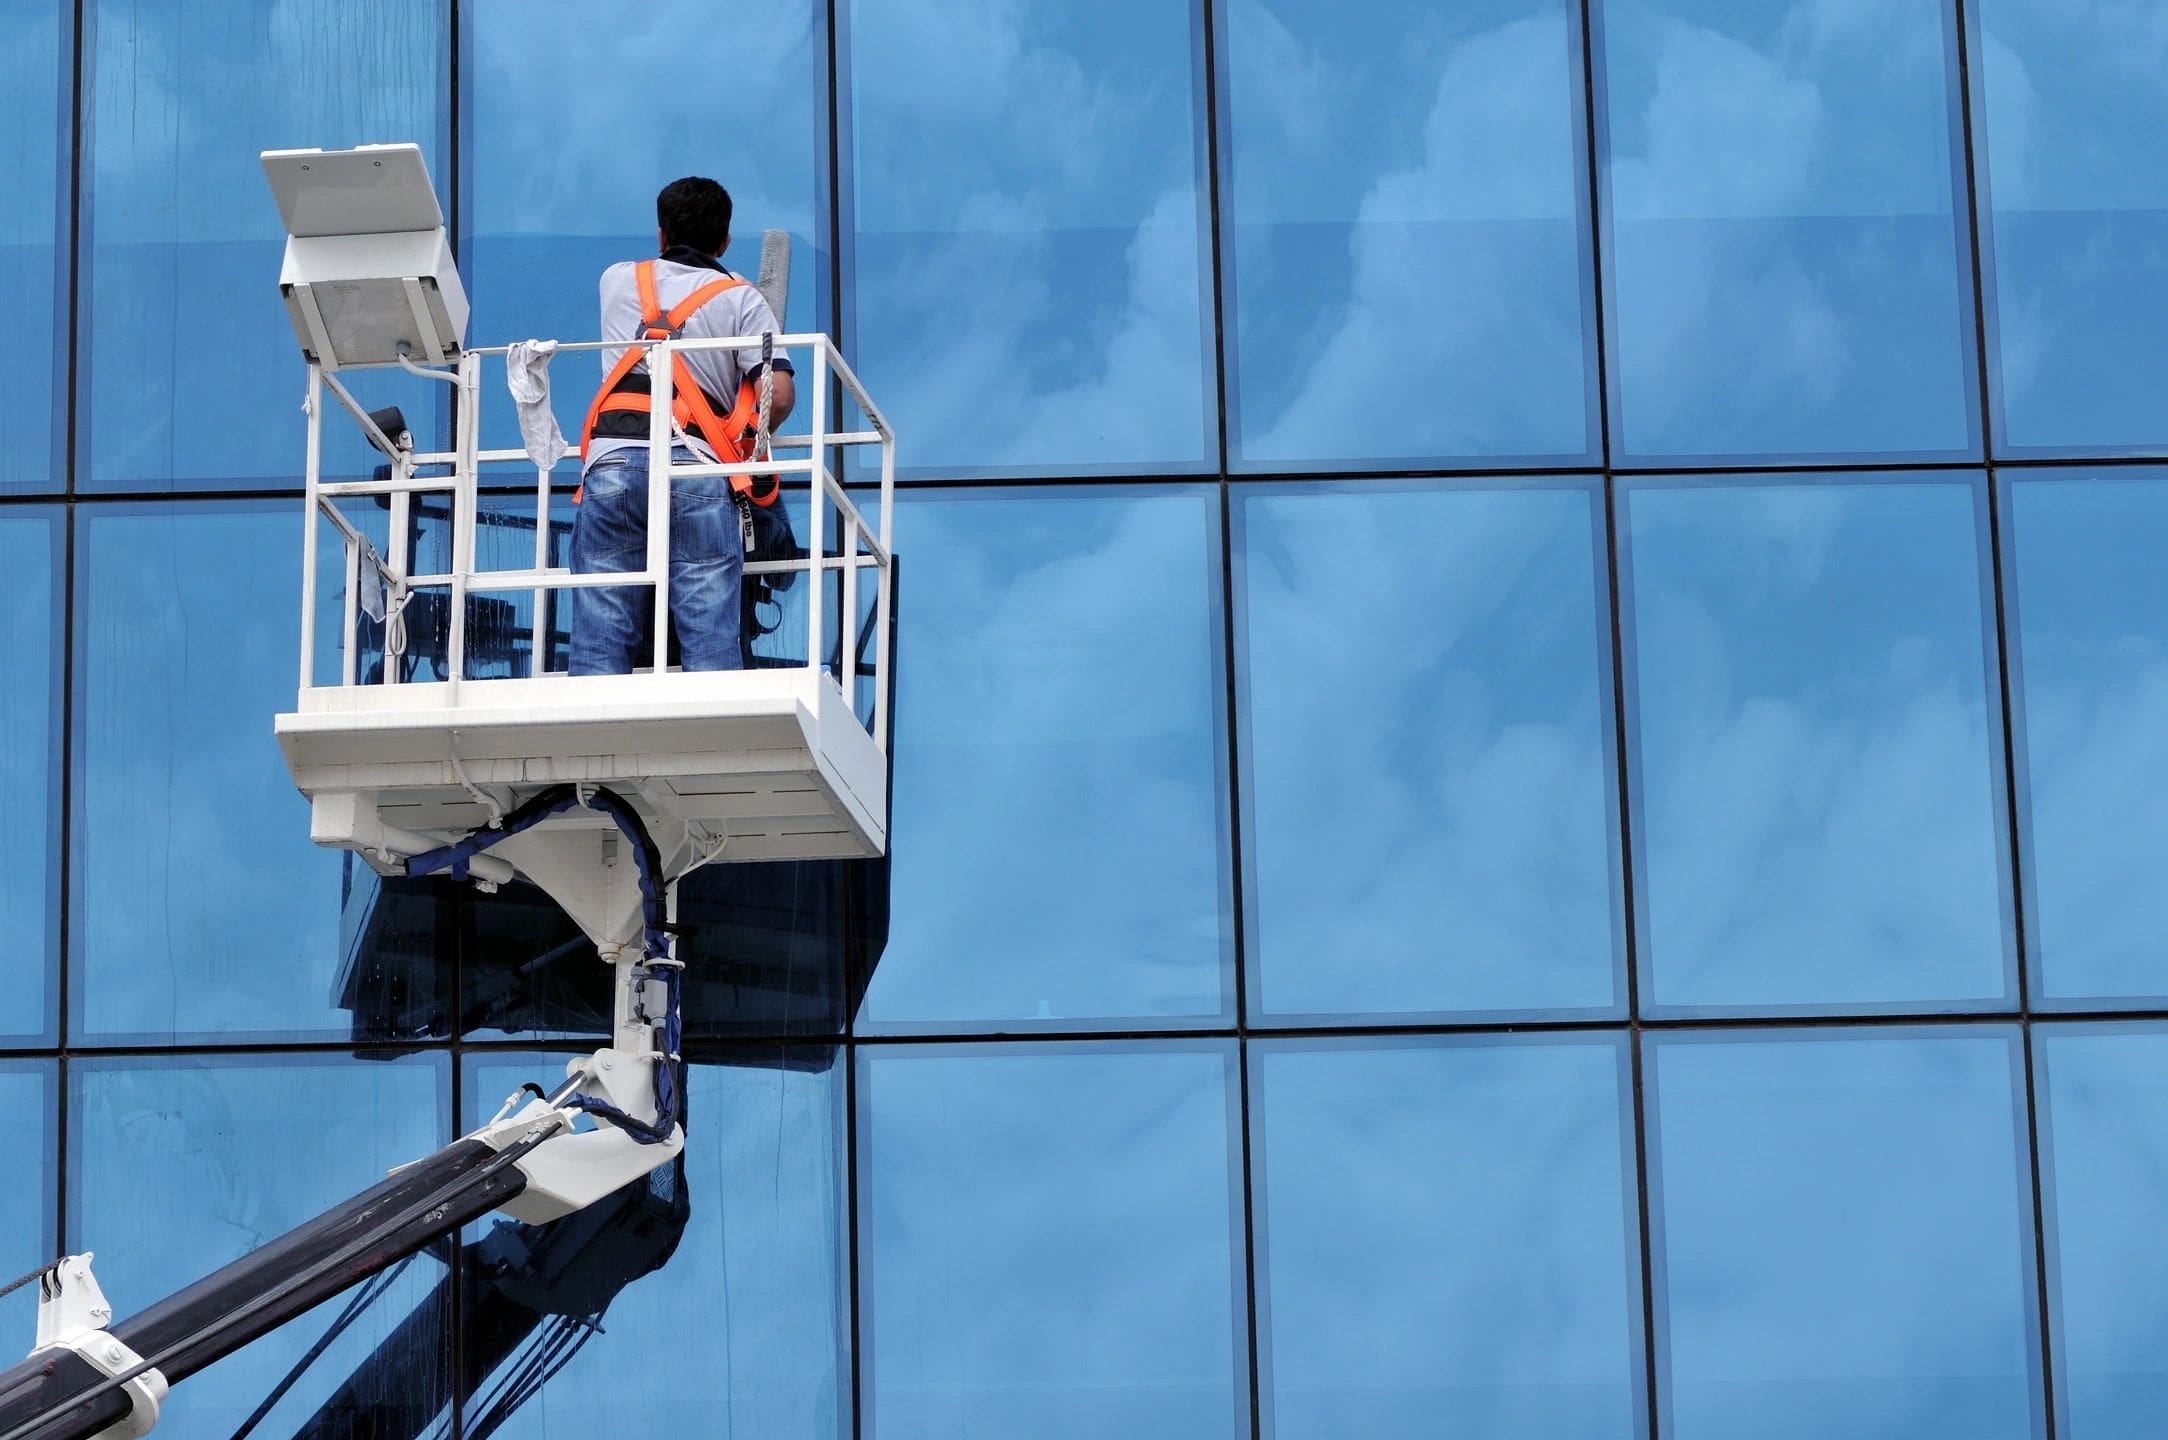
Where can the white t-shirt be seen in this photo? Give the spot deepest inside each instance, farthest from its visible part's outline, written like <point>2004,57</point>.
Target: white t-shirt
<point>742,310</point>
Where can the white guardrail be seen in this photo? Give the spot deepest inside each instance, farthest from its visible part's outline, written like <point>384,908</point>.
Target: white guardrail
<point>859,546</point>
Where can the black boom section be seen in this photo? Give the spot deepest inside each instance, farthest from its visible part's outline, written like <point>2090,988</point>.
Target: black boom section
<point>44,1392</point>
<point>56,1395</point>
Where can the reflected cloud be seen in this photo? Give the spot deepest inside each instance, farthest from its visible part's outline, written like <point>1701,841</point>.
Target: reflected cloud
<point>29,828</point>
<point>553,82</point>
<point>2105,1146</point>
<point>242,1154</point>
<point>1027,265</point>
<point>2090,658</point>
<point>1057,851</point>
<point>1815,762</point>
<point>1842,1237</point>
<point>31,67</point>
<point>751,1303</point>
<point>1442,1245</point>
<point>177,223</point>
<point>2097,759</point>
<point>1786,276</point>
<point>1102,1176</point>
<point>1454,325</point>
<point>1427,819</point>
<point>201,906</point>
<point>2070,98</point>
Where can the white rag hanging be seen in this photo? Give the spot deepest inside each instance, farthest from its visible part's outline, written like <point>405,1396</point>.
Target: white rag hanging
<point>527,376</point>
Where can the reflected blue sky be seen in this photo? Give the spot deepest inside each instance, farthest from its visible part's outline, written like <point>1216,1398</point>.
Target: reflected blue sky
<point>751,1307</point>
<point>1046,1242</point>
<point>2074,205</point>
<point>1842,1237</point>
<point>30,556</point>
<point>1423,693</point>
<point>177,1166</point>
<point>1026,283</point>
<point>26,1202</point>
<point>2103,1098</point>
<point>539,235</point>
<point>189,376</point>
<point>1059,847</point>
<point>1445,1239</point>
<point>1816,742</point>
<point>1404,232</point>
<point>1788,273</point>
<point>2088,618</point>
<point>200,907</point>
<point>1428,816</point>
<point>36,57</point>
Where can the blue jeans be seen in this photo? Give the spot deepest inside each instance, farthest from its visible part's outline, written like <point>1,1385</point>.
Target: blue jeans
<point>611,626</point>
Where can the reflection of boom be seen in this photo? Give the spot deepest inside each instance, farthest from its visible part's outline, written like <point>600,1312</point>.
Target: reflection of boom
<point>534,1295</point>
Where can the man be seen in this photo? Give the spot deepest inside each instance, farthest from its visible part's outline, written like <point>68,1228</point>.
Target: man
<point>685,291</point>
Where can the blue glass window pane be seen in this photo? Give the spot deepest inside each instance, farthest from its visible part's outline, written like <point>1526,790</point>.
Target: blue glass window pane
<point>191,377</point>
<point>747,1313</point>
<point>1429,811</point>
<point>35,62</point>
<point>1405,231</point>
<point>1447,1240</point>
<point>2103,1096</point>
<point>200,907</point>
<point>30,558</point>
<point>1815,732</point>
<point>1842,1233</point>
<point>27,1232</point>
<point>1025,285</point>
<point>1046,1242</point>
<point>2074,221</point>
<point>532,84</point>
<point>177,1166</point>
<point>1787,271</point>
<point>1059,847</point>
<point>2089,662</point>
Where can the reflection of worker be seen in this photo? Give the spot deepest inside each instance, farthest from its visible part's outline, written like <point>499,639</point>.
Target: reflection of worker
<point>714,405</point>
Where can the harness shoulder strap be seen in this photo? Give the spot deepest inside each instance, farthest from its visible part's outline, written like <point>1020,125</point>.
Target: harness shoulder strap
<point>686,308</point>
<point>643,278</point>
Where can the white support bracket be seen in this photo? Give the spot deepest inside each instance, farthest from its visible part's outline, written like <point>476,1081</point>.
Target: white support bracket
<point>575,1168</point>
<point>72,1315</point>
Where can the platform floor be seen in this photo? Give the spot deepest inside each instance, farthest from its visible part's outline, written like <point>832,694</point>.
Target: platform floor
<point>774,760</point>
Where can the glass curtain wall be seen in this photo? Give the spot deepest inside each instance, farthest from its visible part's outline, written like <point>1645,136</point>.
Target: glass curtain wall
<point>1529,755</point>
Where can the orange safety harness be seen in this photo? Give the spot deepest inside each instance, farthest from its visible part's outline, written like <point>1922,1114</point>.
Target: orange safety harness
<point>729,435</point>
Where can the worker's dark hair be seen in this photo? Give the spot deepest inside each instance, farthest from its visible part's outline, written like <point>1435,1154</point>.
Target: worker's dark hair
<point>694,211</point>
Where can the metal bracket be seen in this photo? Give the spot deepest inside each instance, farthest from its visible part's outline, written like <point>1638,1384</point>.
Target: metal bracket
<point>72,1315</point>
<point>573,1169</point>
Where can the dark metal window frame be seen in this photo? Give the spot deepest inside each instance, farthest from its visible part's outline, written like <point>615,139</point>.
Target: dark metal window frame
<point>830,23</point>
